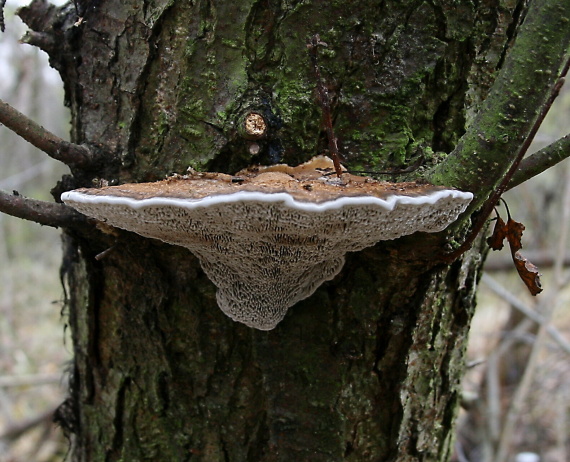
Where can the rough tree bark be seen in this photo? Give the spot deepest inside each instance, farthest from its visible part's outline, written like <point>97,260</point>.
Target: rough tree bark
<point>368,368</point>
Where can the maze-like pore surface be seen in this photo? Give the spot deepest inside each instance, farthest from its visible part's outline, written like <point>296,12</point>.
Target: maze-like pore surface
<point>267,251</point>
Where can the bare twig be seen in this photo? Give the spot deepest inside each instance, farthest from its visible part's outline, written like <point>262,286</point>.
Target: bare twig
<point>43,40</point>
<point>70,154</point>
<point>44,213</point>
<point>523,388</point>
<point>564,231</point>
<point>541,160</point>
<point>493,389</point>
<point>23,176</point>
<point>313,45</point>
<point>461,456</point>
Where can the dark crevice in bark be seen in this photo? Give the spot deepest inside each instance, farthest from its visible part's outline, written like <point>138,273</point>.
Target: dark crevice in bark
<point>164,391</point>
<point>114,453</point>
<point>90,346</point>
<point>259,439</point>
<point>66,274</point>
<point>136,128</point>
<point>266,19</point>
<point>96,289</point>
<point>517,18</point>
<point>349,446</point>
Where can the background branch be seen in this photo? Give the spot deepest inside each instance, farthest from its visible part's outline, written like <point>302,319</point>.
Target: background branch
<point>44,213</point>
<point>530,313</point>
<point>27,380</point>
<point>70,154</point>
<point>15,431</point>
<point>503,261</point>
<point>548,307</point>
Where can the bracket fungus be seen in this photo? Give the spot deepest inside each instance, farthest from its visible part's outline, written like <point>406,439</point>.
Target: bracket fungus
<point>271,236</point>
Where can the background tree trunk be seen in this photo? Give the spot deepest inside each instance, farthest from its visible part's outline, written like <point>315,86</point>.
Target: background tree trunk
<point>368,368</point>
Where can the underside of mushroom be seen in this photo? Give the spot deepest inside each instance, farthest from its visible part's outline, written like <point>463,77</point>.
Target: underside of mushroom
<point>269,237</point>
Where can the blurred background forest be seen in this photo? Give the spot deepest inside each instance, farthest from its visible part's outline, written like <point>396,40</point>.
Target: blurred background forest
<point>33,349</point>
<point>516,394</point>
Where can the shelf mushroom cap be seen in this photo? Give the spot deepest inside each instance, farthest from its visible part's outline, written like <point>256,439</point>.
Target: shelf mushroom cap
<point>270,236</point>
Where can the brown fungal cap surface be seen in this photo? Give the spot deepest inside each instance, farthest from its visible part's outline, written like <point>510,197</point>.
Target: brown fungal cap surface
<point>269,239</point>
<point>311,183</point>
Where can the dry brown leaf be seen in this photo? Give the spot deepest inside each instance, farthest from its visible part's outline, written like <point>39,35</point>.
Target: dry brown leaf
<point>513,231</point>
<point>528,273</point>
<point>514,234</point>
<point>496,239</point>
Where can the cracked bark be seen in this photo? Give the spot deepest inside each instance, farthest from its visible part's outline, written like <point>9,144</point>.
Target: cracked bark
<point>368,368</point>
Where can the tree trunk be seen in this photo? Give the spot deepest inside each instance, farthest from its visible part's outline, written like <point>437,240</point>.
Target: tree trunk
<point>367,368</point>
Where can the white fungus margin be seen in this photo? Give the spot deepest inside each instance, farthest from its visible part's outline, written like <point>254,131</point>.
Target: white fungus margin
<point>265,251</point>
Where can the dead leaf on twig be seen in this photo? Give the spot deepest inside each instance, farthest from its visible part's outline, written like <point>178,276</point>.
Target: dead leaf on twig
<point>512,231</point>
<point>496,239</point>
<point>528,273</point>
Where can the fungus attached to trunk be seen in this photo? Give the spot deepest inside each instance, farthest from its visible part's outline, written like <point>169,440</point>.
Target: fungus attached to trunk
<point>270,236</point>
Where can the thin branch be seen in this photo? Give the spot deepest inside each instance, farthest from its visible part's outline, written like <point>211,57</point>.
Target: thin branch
<point>70,154</point>
<point>461,456</point>
<point>516,303</point>
<point>541,160</point>
<point>43,40</point>
<point>530,137</point>
<point>44,213</point>
<point>559,273</point>
<point>324,101</point>
<point>28,174</point>
<point>561,425</point>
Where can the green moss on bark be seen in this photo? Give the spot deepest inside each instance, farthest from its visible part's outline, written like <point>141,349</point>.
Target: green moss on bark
<point>494,137</point>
